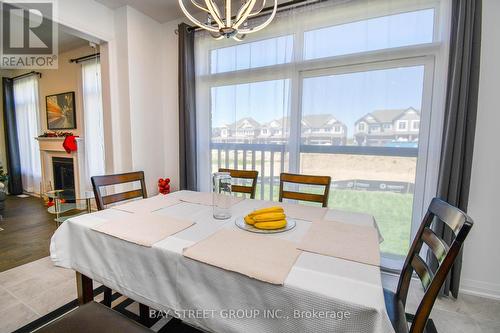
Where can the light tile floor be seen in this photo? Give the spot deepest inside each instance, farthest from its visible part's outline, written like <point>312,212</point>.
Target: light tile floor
<point>467,314</point>
<point>30,291</point>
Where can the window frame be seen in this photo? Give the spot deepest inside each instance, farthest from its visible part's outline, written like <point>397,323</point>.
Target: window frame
<point>433,55</point>
<point>413,122</point>
<point>401,122</point>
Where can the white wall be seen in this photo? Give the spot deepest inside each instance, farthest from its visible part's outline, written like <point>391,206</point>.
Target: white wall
<point>139,61</point>
<point>119,112</point>
<point>145,121</point>
<point>481,272</point>
<point>145,56</point>
<point>65,79</point>
<point>88,16</point>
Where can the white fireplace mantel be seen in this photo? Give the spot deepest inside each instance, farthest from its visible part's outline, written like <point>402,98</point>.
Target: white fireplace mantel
<point>53,147</point>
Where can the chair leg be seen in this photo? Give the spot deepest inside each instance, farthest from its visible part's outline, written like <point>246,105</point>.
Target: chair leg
<point>429,326</point>
<point>144,314</point>
<point>107,296</point>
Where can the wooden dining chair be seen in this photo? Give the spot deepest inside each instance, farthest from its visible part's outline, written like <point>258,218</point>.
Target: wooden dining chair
<point>98,182</point>
<point>432,281</point>
<point>243,174</point>
<point>324,181</point>
<point>93,317</point>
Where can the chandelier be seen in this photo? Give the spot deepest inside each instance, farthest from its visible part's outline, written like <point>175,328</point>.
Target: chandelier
<point>223,23</point>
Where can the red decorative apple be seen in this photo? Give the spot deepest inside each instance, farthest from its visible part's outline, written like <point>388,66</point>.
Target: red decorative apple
<point>164,185</point>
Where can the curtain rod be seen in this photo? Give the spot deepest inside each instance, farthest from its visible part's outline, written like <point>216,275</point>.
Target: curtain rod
<point>281,7</point>
<point>88,57</point>
<point>26,75</point>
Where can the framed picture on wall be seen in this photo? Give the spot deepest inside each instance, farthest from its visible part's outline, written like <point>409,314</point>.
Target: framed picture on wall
<point>61,111</point>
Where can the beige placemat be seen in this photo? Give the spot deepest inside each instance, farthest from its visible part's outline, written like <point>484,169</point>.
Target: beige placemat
<point>341,240</point>
<point>147,205</point>
<point>142,229</point>
<point>264,258</point>
<point>205,198</point>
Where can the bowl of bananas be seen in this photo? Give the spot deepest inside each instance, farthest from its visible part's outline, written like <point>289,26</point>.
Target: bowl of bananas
<point>266,221</point>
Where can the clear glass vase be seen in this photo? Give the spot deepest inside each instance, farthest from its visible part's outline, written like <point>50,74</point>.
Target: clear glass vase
<point>222,195</point>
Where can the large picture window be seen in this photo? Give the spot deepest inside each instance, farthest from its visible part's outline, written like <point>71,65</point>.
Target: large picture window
<point>319,93</point>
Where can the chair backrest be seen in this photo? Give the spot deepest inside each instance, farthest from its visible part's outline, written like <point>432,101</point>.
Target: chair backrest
<point>460,224</point>
<point>101,181</point>
<point>243,174</point>
<point>305,180</point>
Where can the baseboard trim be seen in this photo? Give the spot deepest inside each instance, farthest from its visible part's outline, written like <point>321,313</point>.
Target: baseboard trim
<point>480,288</point>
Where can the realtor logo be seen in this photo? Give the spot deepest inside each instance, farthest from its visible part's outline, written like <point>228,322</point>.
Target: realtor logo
<point>29,36</point>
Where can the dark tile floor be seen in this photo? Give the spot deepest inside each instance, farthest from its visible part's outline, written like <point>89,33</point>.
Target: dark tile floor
<point>27,229</point>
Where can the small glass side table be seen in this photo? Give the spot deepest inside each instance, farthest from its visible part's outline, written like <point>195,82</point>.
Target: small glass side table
<point>67,204</point>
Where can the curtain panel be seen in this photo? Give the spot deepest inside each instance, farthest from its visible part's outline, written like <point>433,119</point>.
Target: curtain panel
<point>93,120</point>
<point>187,110</point>
<point>460,121</point>
<point>28,128</point>
<point>12,144</point>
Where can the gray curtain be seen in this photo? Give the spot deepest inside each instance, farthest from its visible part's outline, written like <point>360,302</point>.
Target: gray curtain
<point>460,120</point>
<point>11,141</point>
<point>187,109</point>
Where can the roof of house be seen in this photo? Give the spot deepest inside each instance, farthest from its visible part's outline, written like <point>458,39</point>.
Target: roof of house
<point>386,116</point>
<point>281,122</point>
<point>239,123</point>
<point>319,120</point>
<point>311,121</point>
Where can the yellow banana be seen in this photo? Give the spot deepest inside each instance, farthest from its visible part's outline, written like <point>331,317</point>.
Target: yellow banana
<point>249,220</point>
<point>269,217</point>
<point>275,209</point>
<point>270,225</point>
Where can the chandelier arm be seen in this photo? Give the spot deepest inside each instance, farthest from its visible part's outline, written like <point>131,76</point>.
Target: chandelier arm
<point>263,25</point>
<point>245,14</point>
<point>242,9</point>
<point>238,37</point>
<point>216,36</point>
<point>197,5</point>
<point>227,5</point>
<point>260,9</point>
<point>194,20</point>
<point>215,12</point>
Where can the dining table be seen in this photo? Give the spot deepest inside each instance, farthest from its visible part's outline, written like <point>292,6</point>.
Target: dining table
<point>321,293</point>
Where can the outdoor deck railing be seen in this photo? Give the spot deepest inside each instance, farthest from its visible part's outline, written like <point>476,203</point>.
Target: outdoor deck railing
<point>269,159</point>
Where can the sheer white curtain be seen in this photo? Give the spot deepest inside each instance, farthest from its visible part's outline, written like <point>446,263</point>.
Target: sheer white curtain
<point>28,128</point>
<point>350,89</point>
<point>93,119</point>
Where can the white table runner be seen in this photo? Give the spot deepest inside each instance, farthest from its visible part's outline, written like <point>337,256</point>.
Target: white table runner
<point>347,294</point>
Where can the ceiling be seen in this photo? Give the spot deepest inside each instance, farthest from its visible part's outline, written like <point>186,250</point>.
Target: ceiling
<point>160,10</point>
<point>69,42</point>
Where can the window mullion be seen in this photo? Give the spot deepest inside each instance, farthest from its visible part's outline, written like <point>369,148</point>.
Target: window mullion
<point>296,102</point>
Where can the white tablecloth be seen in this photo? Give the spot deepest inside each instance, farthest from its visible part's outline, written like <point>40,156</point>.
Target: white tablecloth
<point>321,293</point>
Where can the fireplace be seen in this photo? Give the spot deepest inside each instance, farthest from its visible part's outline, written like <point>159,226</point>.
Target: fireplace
<point>64,173</point>
<point>62,170</point>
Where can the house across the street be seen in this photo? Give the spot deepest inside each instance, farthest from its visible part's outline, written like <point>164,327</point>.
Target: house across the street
<point>317,129</point>
<point>388,127</point>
